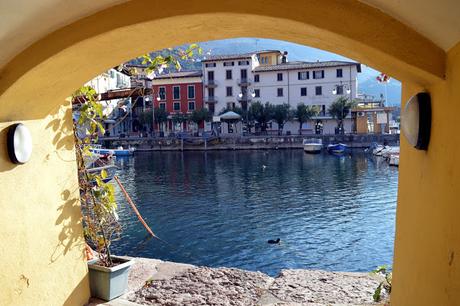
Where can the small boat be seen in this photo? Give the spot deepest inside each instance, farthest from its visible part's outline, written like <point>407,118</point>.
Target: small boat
<point>120,151</point>
<point>393,160</point>
<point>312,146</point>
<point>338,148</point>
<point>385,151</point>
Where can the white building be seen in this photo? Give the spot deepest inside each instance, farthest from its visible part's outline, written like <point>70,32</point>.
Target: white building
<point>114,109</point>
<point>267,76</point>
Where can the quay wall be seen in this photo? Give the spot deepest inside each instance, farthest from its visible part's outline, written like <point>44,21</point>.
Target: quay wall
<point>245,142</point>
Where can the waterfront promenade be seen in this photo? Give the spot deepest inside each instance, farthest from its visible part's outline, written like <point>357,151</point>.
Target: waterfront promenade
<point>244,142</point>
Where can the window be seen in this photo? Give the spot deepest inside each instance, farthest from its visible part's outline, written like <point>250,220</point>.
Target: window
<point>244,74</point>
<point>280,92</point>
<point>339,73</point>
<point>256,78</point>
<point>210,75</point>
<point>229,63</point>
<point>243,63</point>
<point>210,92</point>
<point>163,105</point>
<point>303,75</point>
<point>340,90</point>
<point>176,92</point>
<point>319,90</point>
<point>318,74</point>
<point>162,93</point>
<point>211,108</point>
<point>191,105</point>
<point>257,93</point>
<point>191,91</point>
<point>228,74</point>
<point>231,105</point>
<point>279,76</point>
<point>207,65</point>
<point>323,110</point>
<point>264,60</point>
<point>303,91</point>
<point>176,106</point>
<point>229,91</point>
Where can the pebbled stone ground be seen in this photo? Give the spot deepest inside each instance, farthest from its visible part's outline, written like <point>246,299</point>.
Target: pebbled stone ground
<point>171,284</point>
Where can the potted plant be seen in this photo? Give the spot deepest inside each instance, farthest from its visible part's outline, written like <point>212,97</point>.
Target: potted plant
<point>108,274</point>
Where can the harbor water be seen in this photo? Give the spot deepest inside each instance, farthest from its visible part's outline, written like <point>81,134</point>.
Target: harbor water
<point>220,208</point>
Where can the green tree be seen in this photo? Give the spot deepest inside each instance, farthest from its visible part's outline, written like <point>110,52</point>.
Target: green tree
<point>200,115</point>
<point>339,110</point>
<point>161,116</point>
<point>281,114</point>
<point>262,113</point>
<point>180,118</point>
<point>303,113</point>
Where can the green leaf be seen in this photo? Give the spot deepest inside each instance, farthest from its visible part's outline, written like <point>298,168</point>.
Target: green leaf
<point>378,293</point>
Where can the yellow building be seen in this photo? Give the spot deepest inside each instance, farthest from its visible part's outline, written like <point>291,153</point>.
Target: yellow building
<point>51,47</point>
<point>371,117</point>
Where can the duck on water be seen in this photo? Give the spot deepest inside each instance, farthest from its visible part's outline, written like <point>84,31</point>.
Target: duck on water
<point>277,241</point>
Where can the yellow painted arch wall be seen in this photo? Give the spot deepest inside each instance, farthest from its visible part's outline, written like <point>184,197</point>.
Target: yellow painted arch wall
<point>41,233</point>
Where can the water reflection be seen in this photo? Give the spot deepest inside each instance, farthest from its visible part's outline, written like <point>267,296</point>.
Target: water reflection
<point>220,208</point>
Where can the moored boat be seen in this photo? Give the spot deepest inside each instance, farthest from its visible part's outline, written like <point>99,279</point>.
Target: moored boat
<point>338,148</point>
<point>394,160</point>
<point>312,146</point>
<point>120,151</point>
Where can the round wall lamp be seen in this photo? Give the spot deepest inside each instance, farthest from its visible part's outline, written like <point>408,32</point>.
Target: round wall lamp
<point>19,143</point>
<point>416,120</point>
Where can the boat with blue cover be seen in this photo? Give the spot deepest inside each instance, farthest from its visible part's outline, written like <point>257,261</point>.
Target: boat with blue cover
<point>120,151</point>
<point>338,148</point>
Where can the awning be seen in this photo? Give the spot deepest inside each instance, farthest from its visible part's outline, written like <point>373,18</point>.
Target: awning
<point>230,116</point>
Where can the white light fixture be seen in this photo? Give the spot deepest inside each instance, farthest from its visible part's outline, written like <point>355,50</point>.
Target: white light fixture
<point>19,143</point>
<point>348,91</point>
<point>416,120</point>
<point>240,95</point>
<point>334,91</point>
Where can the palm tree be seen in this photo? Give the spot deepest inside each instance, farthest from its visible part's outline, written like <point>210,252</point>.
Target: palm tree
<point>281,114</point>
<point>339,110</point>
<point>303,113</point>
<point>262,113</point>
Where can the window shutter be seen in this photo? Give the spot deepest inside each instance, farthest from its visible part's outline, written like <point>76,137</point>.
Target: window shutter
<point>298,75</point>
<point>322,74</point>
<point>308,75</point>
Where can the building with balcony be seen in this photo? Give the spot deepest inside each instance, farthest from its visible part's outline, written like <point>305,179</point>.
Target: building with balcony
<point>267,76</point>
<point>178,93</point>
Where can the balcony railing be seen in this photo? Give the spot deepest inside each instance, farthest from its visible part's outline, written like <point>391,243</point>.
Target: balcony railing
<point>210,99</point>
<point>244,98</point>
<point>210,83</point>
<point>244,82</point>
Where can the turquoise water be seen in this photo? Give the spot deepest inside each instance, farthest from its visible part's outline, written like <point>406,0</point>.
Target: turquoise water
<point>220,208</point>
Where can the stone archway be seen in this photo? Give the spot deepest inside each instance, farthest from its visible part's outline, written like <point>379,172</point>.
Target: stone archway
<point>35,83</point>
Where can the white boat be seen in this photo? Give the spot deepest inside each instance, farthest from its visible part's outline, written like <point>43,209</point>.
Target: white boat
<point>385,151</point>
<point>120,151</point>
<point>312,146</point>
<point>394,160</point>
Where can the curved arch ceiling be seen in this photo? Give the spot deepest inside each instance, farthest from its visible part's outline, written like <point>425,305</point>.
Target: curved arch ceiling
<point>23,22</point>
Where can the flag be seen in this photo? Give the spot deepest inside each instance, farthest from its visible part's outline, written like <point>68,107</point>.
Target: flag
<point>383,78</point>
